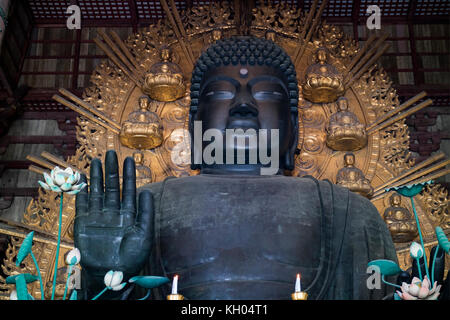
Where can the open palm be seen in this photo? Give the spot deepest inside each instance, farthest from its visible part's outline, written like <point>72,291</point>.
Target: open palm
<point>112,234</point>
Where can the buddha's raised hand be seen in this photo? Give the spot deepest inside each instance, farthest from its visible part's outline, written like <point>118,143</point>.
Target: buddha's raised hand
<point>112,234</point>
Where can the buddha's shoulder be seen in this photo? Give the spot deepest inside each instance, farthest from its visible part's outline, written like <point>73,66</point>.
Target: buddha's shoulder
<point>278,181</point>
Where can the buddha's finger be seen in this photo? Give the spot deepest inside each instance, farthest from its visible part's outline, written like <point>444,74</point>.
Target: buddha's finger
<point>112,188</point>
<point>96,188</point>
<point>81,200</point>
<point>145,216</point>
<point>129,186</point>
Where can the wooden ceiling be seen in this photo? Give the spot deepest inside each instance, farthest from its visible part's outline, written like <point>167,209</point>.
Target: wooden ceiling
<point>141,12</point>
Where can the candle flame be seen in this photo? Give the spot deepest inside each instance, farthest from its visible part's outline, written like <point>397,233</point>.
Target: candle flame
<point>298,286</point>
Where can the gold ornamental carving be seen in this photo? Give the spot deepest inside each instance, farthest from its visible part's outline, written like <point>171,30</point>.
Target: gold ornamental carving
<point>116,89</point>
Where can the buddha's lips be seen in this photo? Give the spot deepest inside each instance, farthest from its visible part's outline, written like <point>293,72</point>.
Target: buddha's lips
<point>243,123</point>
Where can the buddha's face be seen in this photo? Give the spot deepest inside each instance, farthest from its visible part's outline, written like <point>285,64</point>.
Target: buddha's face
<point>143,103</point>
<point>343,105</point>
<point>217,35</point>
<point>165,54</point>
<point>137,158</point>
<point>396,200</point>
<point>321,55</point>
<point>270,35</point>
<point>247,97</point>
<point>349,159</point>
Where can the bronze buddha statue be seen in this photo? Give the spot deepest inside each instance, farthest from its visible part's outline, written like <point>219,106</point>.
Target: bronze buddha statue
<point>353,178</point>
<point>344,131</point>
<point>231,232</point>
<point>400,221</point>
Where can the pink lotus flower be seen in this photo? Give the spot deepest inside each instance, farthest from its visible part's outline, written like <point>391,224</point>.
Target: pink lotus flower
<point>419,290</point>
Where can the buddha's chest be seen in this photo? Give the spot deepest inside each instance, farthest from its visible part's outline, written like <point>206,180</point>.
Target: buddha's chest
<point>240,227</point>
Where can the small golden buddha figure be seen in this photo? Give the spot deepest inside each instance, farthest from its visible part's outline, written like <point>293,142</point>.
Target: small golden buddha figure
<point>399,220</point>
<point>344,131</point>
<point>143,173</point>
<point>216,35</point>
<point>143,129</point>
<point>323,83</point>
<point>164,82</point>
<point>271,35</point>
<point>353,178</point>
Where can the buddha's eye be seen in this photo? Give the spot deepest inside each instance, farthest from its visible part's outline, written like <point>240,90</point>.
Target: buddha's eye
<point>268,95</point>
<point>220,94</point>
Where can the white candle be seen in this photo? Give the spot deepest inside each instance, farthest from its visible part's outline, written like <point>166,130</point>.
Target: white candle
<point>298,286</point>
<point>175,285</point>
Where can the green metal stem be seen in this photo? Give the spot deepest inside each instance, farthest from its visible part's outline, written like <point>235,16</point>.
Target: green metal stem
<point>39,275</point>
<point>147,295</point>
<point>389,283</point>
<point>58,245</point>
<point>421,238</point>
<point>67,281</point>
<point>418,267</point>
<point>102,292</point>
<point>432,266</point>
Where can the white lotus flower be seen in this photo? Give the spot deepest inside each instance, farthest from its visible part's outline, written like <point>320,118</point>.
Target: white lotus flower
<point>62,181</point>
<point>419,290</point>
<point>113,280</point>
<point>73,257</point>
<point>13,295</point>
<point>416,250</point>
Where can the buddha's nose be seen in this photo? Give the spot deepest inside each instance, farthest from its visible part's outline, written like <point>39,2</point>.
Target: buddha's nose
<point>243,110</point>
<point>244,106</point>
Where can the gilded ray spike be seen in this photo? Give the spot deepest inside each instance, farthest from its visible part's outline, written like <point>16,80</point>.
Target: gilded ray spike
<point>177,32</point>
<point>89,108</point>
<point>412,177</point>
<point>121,52</point>
<point>40,162</point>
<point>358,64</point>
<point>181,28</point>
<point>417,167</point>
<point>125,50</point>
<point>37,170</point>
<point>117,61</point>
<point>58,161</point>
<point>391,113</point>
<point>400,116</point>
<point>433,176</point>
<point>362,51</point>
<point>316,20</point>
<point>85,114</point>
<point>367,65</point>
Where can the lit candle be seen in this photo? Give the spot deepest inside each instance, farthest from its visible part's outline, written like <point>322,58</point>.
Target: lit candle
<point>175,285</point>
<point>298,286</point>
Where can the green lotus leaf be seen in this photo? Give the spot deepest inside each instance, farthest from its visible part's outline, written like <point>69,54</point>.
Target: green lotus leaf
<point>25,248</point>
<point>410,190</point>
<point>442,239</point>
<point>28,278</point>
<point>74,295</point>
<point>149,282</point>
<point>21,287</point>
<point>387,267</point>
